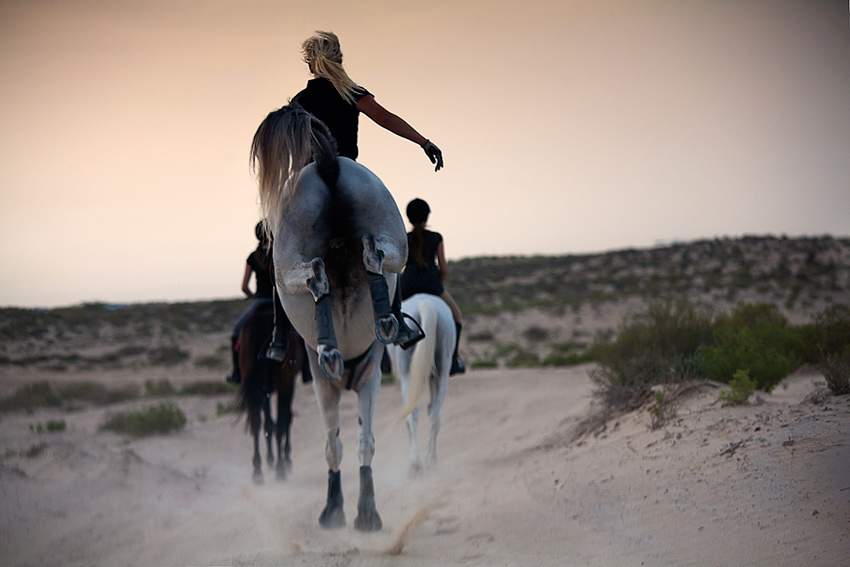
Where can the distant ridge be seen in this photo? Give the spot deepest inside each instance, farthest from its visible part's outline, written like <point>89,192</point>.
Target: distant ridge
<point>778,270</point>
<point>794,273</point>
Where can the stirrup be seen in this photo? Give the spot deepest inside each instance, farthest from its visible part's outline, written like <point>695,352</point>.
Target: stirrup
<point>276,350</point>
<point>408,337</point>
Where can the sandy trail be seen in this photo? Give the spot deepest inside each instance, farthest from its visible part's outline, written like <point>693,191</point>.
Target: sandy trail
<point>767,484</point>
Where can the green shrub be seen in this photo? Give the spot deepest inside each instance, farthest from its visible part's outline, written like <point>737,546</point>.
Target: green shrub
<point>523,359</point>
<point>56,425</point>
<point>506,350</point>
<point>661,410</point>
<point>755,338</point>
<point>483,336</point>
<point>31,396</point>
<point>167,356</point>
<point>159,389</point>
<point>164,417</point>
<point>569,359</point>
<point>741,388</point>
<point>43,394</point>
<point>226,408</point>
<point>536,334</point>
<point>51,426</point>
<point>96,393</point>
<point>831,338</point>
<point>484,363</point>
<point>651,344</point>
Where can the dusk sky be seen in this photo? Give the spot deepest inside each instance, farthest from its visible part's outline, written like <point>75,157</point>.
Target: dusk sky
<point>567,127</point>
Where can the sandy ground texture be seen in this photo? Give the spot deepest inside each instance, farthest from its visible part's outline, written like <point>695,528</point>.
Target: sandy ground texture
<point>767,484</point>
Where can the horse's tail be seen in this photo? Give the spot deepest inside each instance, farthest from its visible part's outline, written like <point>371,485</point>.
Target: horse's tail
<point>283,144</point>
<point>253,370</point>
<point>422,363</point>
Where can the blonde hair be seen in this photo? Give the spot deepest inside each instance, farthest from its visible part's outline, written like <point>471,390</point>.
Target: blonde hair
<point>324,56</point>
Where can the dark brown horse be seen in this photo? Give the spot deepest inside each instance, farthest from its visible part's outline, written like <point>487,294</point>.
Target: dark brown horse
<point>261,378</point>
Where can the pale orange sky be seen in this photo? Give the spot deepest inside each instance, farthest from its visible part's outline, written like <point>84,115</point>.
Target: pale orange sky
<point>567,127</point>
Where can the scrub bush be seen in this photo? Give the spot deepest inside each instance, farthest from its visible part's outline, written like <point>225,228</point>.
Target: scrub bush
<point>755,338</point>
<point>651,346</point>
<point>523,359</point>
<point>741,388</point>
<point>164,417</point>
<point>831,337</point>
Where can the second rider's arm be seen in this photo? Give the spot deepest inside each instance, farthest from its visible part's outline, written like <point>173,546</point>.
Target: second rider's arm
<point>246,279</point>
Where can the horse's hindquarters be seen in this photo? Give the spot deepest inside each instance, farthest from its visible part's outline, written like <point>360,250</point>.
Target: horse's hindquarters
<point>354,322</point>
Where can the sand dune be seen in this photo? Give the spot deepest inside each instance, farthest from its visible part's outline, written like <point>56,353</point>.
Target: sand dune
<point>767,484</point>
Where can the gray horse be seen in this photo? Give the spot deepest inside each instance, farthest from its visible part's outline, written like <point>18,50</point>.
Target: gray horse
<point>339,243</point>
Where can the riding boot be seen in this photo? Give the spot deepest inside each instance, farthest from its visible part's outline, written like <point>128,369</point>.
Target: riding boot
<point>458,366</point>
<point>386,312</point>
<point>277,349</point>
<point>234,377</point>
<point>407,337</point>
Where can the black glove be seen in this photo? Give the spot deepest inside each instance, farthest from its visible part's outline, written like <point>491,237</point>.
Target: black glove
<point>434,154</point>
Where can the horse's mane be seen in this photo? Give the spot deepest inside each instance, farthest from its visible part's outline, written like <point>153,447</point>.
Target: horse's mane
<point>284,143</point>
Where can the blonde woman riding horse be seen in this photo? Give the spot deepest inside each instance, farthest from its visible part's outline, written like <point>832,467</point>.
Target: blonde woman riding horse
<point>335,99</point>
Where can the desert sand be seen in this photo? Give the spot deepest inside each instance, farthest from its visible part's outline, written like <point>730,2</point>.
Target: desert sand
<point>765,484</point>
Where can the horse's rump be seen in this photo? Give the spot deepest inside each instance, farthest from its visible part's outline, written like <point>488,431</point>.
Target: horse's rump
<point>320,221</point>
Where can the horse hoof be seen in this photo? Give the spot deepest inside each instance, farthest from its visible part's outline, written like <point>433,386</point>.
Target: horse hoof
<point>258,478</point>
<point>283,469</point>
<point>331,363</point>
<point>368,521</point>
<point>386,329</point>
<point>332,518</point>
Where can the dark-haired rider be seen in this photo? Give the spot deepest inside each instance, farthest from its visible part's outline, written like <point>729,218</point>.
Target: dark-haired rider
<point>426,269</point>
<point>261,265</point>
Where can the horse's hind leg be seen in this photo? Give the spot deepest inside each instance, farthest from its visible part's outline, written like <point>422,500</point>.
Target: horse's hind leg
<point>268,429</point>
<point>254,417</point>
<point>284,414</point>
<point>438,395</point>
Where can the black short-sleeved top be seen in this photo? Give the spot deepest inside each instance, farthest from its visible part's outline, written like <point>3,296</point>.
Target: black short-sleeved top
<point>322,100</point>
<point>422,279</point>
<point>263,268</point>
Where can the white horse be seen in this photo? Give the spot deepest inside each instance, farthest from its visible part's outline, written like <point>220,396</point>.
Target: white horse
<point>429,361</point>
<point>339,243</point>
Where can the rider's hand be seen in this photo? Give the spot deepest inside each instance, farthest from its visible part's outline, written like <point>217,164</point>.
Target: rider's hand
<point>434,154</point>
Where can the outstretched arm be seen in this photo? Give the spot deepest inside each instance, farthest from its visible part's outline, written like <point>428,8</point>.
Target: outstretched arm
<point>395,124</point>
